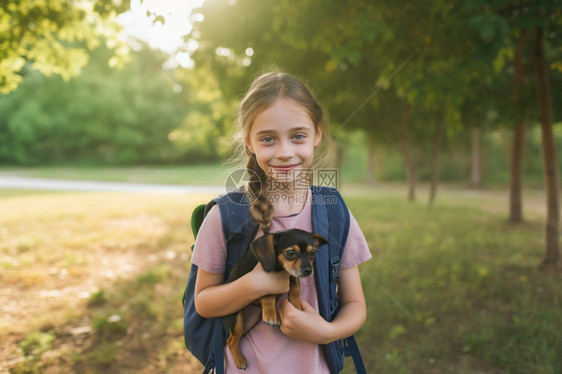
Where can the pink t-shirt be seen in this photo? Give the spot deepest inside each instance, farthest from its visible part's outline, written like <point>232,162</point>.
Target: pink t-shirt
<point>266,348</point>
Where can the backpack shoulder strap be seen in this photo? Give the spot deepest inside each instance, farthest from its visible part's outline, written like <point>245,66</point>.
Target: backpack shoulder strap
<point>238,226</point>
<point>331,219</point>
<point>239,230</point>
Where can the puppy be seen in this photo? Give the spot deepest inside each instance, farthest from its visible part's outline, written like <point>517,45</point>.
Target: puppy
<point>289,250</point>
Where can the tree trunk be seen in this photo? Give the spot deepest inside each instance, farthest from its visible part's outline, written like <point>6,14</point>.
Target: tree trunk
<point>370,178</point>
<point>339,157</point>
<point>475,165</point>
<point>408,159</point>
<point>516,175</point>
<point>336,159</point>
<point>549,157</point>
<point>517,148</point>
<point>437,136</point>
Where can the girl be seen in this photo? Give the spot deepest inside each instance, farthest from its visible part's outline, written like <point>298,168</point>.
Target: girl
<point>281,126</point>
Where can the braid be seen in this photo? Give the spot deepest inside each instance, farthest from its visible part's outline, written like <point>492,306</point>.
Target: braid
<point>260,208</point>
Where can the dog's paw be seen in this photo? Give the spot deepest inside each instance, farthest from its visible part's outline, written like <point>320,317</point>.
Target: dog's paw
<point>272,322</point>
<point>241,363</point>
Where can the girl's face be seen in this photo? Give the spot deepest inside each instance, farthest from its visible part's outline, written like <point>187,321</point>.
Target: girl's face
<point>283,139</point>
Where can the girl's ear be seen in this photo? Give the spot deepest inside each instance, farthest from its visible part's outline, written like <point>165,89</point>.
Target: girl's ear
<point>249,145</point>
<point>318,135</point>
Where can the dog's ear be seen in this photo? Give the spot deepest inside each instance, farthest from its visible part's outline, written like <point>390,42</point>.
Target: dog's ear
<point>264,249</point>
<point>318,240</point>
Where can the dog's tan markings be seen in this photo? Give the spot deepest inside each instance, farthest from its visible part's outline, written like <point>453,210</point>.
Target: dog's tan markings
<point>233,342</point>
<point>295,292</point>
<point>269,312</point>
<point>319,240</point>
<point>271,243</point>
<point>290,264</point>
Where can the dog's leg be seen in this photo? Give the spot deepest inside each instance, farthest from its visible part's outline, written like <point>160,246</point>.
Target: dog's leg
<point>295,292</point>
<point>233,341</point>
<point>269,312</point>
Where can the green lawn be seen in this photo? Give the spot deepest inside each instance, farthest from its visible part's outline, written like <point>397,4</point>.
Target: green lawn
<point>451,289</point>
<point>455,289</point>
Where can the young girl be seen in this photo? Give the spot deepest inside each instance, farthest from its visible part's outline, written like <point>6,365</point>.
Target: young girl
<point>281,126</point>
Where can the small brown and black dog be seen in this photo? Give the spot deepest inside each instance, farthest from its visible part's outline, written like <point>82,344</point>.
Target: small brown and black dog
<point>289,250</point>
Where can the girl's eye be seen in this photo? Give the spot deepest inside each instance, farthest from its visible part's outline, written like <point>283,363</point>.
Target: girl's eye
<point>289,254</point>
<point>299,137</point>
<point>267,139</point>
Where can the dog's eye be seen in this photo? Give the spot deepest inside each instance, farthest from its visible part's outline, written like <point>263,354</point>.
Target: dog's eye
<point>313,253</point>
<point>290,254</point>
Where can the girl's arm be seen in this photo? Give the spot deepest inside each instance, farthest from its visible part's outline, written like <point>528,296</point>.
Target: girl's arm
<point>215,299</point>
<point>310,326</point>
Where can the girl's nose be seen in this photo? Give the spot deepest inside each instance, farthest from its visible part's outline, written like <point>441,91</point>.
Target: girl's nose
<point>285,150</point>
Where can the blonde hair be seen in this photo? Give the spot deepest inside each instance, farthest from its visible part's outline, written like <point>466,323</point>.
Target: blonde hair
<point>263,91</point>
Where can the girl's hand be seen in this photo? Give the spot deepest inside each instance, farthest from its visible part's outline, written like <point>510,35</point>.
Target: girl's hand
<point>269,283</point>
<point>304,325</point>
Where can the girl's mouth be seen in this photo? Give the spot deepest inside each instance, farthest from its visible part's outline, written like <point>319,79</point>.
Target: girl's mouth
<point>285,168</point>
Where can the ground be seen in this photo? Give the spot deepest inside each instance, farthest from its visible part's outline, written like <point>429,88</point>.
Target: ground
<point>93,282</point>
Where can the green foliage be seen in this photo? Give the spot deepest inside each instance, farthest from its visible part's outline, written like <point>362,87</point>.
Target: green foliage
<point>154,276</point>
<point>33,346</point>
<point>110,326</point>
<point>104,354</point>
<point>97,298</point>
<point>369,61</point>
<point>55,36</point>
<point>36,343</point>
<point>105,115</point>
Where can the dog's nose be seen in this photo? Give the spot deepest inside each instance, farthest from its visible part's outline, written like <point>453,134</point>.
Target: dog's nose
<point>306,271</point>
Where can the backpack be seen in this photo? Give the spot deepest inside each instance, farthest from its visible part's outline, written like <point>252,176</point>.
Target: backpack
<point>205,337</point>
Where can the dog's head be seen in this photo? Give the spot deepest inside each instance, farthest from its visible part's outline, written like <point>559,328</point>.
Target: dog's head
<point>292,250</point>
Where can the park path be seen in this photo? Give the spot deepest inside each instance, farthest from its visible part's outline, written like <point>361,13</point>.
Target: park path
<point>534,201</point>
<point>47,184</point>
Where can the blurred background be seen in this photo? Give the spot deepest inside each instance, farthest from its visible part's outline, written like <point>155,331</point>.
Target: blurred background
<point>446,120</point>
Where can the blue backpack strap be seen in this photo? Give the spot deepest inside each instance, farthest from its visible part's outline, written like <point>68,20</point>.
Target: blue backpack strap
<point>351,349</point>
<point>331,219</point>
<point>238,226</point>
<point>206,337</point>
<point>239,231</point>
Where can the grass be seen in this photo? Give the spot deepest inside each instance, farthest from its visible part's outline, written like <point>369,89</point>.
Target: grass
<point>456,289</point>
<point>452,289</point>
<point>108,265</point>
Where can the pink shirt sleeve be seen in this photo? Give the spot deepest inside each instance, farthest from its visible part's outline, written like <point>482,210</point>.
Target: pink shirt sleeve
<point>209,252</point>
<point>356,248</point>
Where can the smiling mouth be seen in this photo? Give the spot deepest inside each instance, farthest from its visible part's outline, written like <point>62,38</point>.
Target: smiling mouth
<point>285,167</point>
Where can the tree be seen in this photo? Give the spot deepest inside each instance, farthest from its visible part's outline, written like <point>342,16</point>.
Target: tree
<point>550,162</point>
<point>118,116</point>
<point>544,19</point>
<point>517,149</point>
<point>55,36</point>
